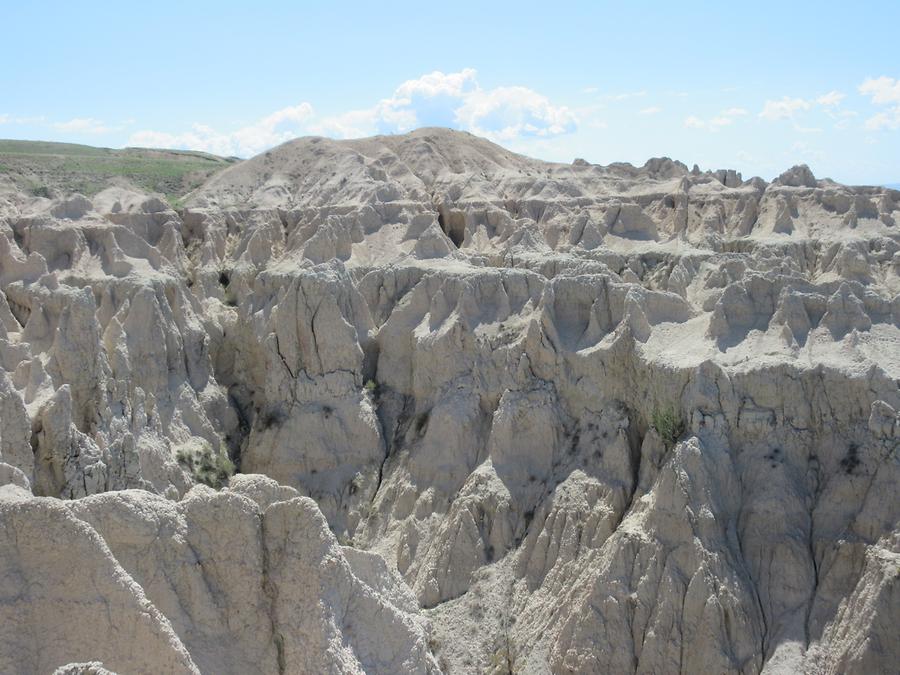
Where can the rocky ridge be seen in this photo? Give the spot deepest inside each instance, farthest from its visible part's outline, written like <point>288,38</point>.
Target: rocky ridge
<point>509,416</point>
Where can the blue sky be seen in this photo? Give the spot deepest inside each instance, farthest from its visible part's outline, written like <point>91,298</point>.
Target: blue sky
<point>753,86</point>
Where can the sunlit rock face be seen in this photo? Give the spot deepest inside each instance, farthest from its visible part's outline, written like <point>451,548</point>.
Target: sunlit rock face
<point>488,414</point>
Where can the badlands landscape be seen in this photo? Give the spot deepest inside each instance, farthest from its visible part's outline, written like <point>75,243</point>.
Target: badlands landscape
<point>418,404</point>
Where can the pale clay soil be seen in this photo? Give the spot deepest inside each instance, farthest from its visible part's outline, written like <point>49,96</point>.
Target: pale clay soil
<point>440,368</point>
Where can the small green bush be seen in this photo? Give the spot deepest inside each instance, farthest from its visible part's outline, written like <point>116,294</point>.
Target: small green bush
<point>668,424</point>
<point>370,387</point>
<point>206,466</point>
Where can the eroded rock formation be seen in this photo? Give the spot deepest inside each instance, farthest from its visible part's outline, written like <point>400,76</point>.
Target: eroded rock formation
<point>450,363</point>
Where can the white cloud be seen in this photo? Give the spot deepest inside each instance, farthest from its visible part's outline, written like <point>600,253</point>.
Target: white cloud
<point>437,84</point>
<point>831,99</point>
<point>890,119</point>
<point>625,95</point>
<point>278,127</point>
<point>83,125</point>
<point>506,113</point>
<point>652,110</point>
<point>842,117</point>
<point>788,108</point>
<point>4,119</point>
<point>434,99</point>
<point>784,109</point>
<point>402,110</point>
<point>723,119</point>
<point>387,116</point>
<point>694,122</point>
<point>454,99</point>
<point>883,91</point>
<point>590,90</point>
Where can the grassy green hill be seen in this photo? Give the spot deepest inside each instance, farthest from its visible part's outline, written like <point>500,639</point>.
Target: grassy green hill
<point>45,168</point>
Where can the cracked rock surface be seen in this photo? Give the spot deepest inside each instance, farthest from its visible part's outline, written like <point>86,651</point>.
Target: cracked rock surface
<point>488,414</point>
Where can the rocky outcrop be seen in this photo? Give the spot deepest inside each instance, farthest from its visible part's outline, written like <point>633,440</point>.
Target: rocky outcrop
<point>246,579</point>
<point>512,416</point>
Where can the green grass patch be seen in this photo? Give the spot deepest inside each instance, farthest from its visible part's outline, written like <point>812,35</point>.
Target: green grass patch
<point>668,424</point>
<point>68,167</point>
<point>205,465</point>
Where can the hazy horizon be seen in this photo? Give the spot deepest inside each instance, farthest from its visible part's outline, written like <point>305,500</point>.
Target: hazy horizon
<point>895,186</point>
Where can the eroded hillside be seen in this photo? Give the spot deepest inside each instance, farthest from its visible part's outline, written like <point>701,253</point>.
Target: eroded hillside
<point>511,416</point>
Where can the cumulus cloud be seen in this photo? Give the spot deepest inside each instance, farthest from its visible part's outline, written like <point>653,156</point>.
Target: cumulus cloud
<point>278,127</point>
<point>723,119</point>
<point>883,91</point>
<point>428,100</point>
<point>437,84</point>
<point>652,110</point>
<point>455,99</point>
<point>384,117</point>
<point>784,109</point>
<point>788,108</point>
<point>434,99</point>
<point>831,99</point>
<point>507,113</point>
<point>889,119</point>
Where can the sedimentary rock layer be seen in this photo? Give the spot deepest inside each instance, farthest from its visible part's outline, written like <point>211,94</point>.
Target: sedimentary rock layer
<point>510,416</point>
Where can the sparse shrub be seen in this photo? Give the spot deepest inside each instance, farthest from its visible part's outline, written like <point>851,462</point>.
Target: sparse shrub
<point>529,516</point>
<point>668,424</point>
<point>851,459</point>
<point>370,387</point>
<point>205,465</point>
<point>273,417</point>
<point>41,191</point>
